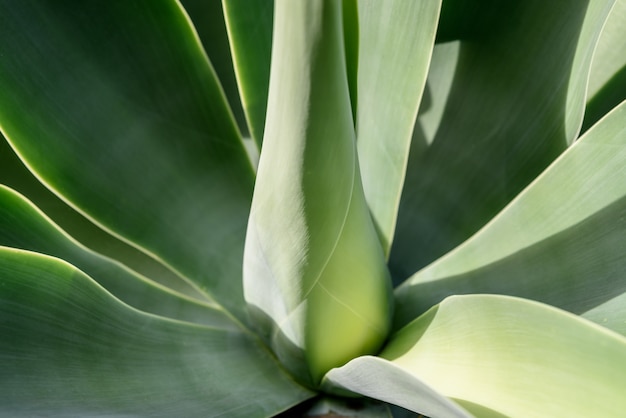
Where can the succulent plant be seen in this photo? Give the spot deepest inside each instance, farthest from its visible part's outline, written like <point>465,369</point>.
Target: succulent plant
<point>359,208</point>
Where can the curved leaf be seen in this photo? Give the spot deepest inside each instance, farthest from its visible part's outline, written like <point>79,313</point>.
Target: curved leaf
<point>501,356</point>
<point>560,241</point>
<point>249,26</point>
<point>16,176</point>
<point>130,126</point>
<point>515,104</point>
<point>23,226</point>
<point>380,379</point>
<point>395,44</point>
<point>607,80</point>
<point>208,19</point>
<point>70,349</point>
<point>310,238</point>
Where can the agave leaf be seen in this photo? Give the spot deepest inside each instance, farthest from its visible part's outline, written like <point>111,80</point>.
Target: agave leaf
<point>249,27</point>
<point>208,19</point>
<point>70,349</point>
<point>502,356</point>
<point>560,241</point>
<point>129,125</point>
<point>610,314</point>
<point>381,379</point>
<point>24,226</point>
<point>515,104</point>
<point>310,240</point>
<point>607,80</point>
<point>16,176</point>
<point>395,45</point>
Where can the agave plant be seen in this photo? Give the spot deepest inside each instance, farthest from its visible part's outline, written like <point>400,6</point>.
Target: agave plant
<point>436,223</point>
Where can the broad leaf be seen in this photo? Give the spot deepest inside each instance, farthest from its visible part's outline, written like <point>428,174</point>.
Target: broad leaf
<point>501,356</point>
<point>24,226</point>
<point>249,25</point>
<point>68,348</point>
<point>130,126</point>
<point>395,45</point>
<point>560,241</point>
<point>310,240</point>
<point>515,104</point>
<point>380,379</point>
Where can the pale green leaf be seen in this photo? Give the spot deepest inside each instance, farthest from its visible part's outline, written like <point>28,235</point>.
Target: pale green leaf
<point>395,45</point>
<point>607,80</point>
<point>310,240</point>
<point>129,125</point>
<point>610,314</point>
<point>515,104</point>
<point>23,226</point>
<point>610,53</point>
<point>249,25</point>
<point>500,356</point>
<point>68,348</point>
<point>560,241</point>
<point>380,379</point>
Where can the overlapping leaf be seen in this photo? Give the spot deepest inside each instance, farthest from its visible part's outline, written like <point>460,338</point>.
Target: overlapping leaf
<point>515,104</point>
<point>607,80</point>
<point>24,226</point>
<point>128,123</point>
<point>380,379</point>
<point>499,356</point>
<point>558,242</point>
<point>16,176</point>
<point>68,348</point>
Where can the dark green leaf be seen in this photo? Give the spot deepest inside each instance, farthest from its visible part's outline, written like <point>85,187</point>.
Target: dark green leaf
<point>130,126</point>
<point>68,348</point>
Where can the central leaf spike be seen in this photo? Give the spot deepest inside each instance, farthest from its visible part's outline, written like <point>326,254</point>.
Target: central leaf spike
<point>315,277</point>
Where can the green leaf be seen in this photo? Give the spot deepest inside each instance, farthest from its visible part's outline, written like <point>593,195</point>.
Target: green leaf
<point>501,356</point>
<point>310,240</point>
<point>380,379</point>
<point>610,314</point>
<point>208,19</point>
<point>395,45</point>
<point>16,176</point>
<point>129,125</point>
<point>515,104</point>
<point>70,349</point>
<point>607,80</point>
<point>249,25</point>
<point>24,226</point>
<point>560,241</point>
